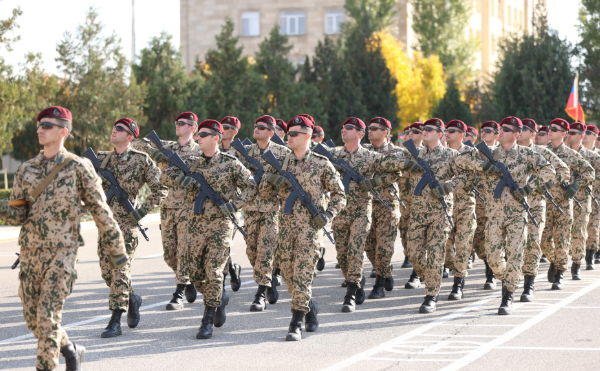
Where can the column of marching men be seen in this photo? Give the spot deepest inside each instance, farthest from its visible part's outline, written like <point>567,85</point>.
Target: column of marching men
<point>518,195</point>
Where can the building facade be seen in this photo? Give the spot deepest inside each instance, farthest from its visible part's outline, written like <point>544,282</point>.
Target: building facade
<point>308,21</point>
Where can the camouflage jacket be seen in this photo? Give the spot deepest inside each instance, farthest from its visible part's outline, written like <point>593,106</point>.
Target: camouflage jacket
<point>317,177</point>
<point>464,197</point>
<point>269,203</point>
<point>230,151</point>
<point>53,219</point>
<point>594,159</point>
<point>225,174</point>
<point>176,196</point>
<point>133,169</point>
<point>562,170</point>
<point>575,162</point>
<point>389,180</point>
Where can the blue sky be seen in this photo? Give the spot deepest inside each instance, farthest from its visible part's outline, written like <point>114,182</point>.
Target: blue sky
<point>44,22</point>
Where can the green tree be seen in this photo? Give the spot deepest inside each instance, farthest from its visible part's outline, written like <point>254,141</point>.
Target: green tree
<point>589,46</point>
<point>8,26</point>
<point>440,28</point>
<point>451,107</point>
<point>95,86</point>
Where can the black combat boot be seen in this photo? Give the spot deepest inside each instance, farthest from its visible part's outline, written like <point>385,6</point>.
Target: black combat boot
<point>551,272</point>
<point>221,316</point>
<point>74,356</point>
<point>576,271</point>
<point>295,329</point>
<point>344,284</point>
<point>429,304</point>
<point>205,330</point>
<point>406,263</point>
<point>114,325</point>
<point>373,273</point>
<point>543,259</point>
<point>133,314</point>
<point>235,271</point>
<point>272,294</point>
<point>279,280</point>
<point>414,282</point>
<point>312,322</point>
<point>457,289</point>
<point>507,300</point>
<point>471,261</point>
<point>558,277</point>
<point>377,292</point>
<point>350,298</point>
<point>337,266</point>
<point>258,305</point>
<point>388,283</point>
<point>445,272</point>
<point>528,289</point>
<point>177,302</point>
<point>589,260</point>
<point>190,293</point>
<point>321,261</point>
<point>360,293</point>
<point>490,279</point>
<point>597,257</point>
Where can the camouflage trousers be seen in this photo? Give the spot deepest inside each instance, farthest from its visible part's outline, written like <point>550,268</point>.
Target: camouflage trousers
<point>427,236</point>
<point>173,227</point>
<point>404,221</point>
<point>380,241</point>
<point>505,235</point>
<point>46,279</point>
<point>556,238</point>
<point>297,254</point>
<point>479,236</point>
<point>207,254</point>
<point>533,250</point>
<point>350,230</point>
<point>262,230</point>
<point>460,240</point>
<point>119,280</point>
<point>579,232</point>
<point>593,229</point>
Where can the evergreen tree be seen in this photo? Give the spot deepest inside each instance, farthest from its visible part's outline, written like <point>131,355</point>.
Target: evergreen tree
<point>589,31</point>
<point>451,107</point>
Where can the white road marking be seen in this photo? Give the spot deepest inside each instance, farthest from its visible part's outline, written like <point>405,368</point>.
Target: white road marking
<point>550,348</point>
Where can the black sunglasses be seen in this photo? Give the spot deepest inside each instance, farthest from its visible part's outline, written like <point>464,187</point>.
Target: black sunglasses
<point>541,134</point>
<point>181,123</point>
<point>349,127</point>
<point>554,130</point>
<point>589,132</point>
<point>508,130</point>
<point>204,134</point>
<point>574,133</point>
<point>417,132</point>
<point>260,127</point>
<point>375,128</point>
<point>229,127</point>
<point>489,131</point>
<point>452,131</point>
<point>430,129</point>
<point>294,134</point>
<point>47,125</point>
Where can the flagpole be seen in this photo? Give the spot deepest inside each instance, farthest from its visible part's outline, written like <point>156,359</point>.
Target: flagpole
<point>576,103</point>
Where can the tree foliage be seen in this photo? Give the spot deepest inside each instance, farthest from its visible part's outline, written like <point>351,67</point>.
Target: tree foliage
<point>451,107</point>
<point>589,46</point>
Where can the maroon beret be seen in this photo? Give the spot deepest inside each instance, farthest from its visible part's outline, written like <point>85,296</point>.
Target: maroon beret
<point>530,124</point>
<point>407,127</point>
<point>300,121</point>
<point>491,124</point>
<point>472,130</point>
<point>593,128</point>
<point>562,123</point>
<point>435,122</point>
<point>57,112</point>
<point>381,121</point>
<point>211,124</point>
<point>135,129</point>
<point>417,125</point>
<point>543,128</point>
<point>309,117</point>
<point>457,124</point>
<point>578,126</point>
<point>512,120</point>
<point>269,120</point>
<point>355,121</point>
<point>281,124</point>
<point>231,120</point>
<point>318,130</point>
<point>187,115</point>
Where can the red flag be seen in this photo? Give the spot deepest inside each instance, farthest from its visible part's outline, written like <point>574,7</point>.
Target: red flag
<point>573,108</point>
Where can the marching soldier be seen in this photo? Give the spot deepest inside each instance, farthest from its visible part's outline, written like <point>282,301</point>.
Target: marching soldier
<point>132,169</point>
<point>299,232</point>
<point>317,136</point>
<point>210,230</point>
<point>174,210</point>
<point>55,188</point>
<point>506,227</point>
<point>538,206</point>
<point>556,238</point>
<point>591,136</point>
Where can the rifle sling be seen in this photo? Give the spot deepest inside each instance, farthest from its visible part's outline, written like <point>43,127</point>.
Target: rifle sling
<point>40,188</point>
<point>106,159</point>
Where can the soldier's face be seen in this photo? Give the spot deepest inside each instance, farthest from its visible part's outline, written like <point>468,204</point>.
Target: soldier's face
<point>471,137</point>
<point>431,134</point>
<point>299,137</point>
<point>574,137</point>
<point>185,130</point>
<point>541,138</point>
<point>261,131</point>
<point>377,132</point>
<point>280,132</point>
<point>589,138</point>
<point>507,136</point>
<point>317,138</point>
<point>526,135</point>
<point>488,135</point>
<point>351,133</point>
<point>118,137</point>
<point>454,136</point>
<point>52,135</point>
<point>559,132</point>
<point>209,142</point>
<point>230,131</point>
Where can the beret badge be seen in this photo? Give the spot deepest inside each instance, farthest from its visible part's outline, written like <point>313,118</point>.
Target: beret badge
<point>513,120</point>
<point>215,126</point>
<point>297,120</point>
<point>56,112</point>
<point>354,121</point>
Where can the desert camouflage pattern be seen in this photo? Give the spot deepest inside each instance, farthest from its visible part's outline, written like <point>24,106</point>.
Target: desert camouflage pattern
<point>594,224</point>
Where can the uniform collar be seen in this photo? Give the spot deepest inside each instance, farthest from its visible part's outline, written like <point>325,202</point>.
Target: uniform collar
<point>58,158</point>
<point>307,157</point>
<point>437,149</point>
<point>559,149</point>
<point>125,156</point>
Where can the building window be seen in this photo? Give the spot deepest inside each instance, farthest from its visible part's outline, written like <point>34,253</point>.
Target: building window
<point>251,24</point>
<point>334,20</point>
<point>291,23</point>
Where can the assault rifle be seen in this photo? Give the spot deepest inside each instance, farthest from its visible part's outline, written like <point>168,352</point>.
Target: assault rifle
<point>397,197</point>
<point>549,197</point>
<point>251,160</point>
<point>588,189</point>
<point>114,189</point>
<point>16,263</point>
<point>247,142</point>
<point>329,143</point>
<point>297,191</point>
<point>206,191</point>
<point>277,140</point>
<point>474,189</point>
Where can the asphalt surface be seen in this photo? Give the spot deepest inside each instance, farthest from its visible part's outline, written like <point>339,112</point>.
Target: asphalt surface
<point>559,330</point>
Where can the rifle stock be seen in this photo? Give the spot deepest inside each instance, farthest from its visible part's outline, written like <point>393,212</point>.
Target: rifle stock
<point>259,169</point>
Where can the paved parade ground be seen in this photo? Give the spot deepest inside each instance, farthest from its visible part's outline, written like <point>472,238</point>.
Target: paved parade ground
<point>559,330</point>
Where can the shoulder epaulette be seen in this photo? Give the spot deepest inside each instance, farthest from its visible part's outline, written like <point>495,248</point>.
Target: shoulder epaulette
<point>320,156</point>
<point>138,152</point>
<point>229,155</point>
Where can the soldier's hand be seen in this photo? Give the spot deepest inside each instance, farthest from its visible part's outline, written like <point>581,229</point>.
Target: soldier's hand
<point>518,194</point>
<point>137,215</point>
<point>118,261</point>
<point>528,190</point>
<point>278,181</point>
<point>546,186</point>
<point>186,181</point>
<point>412,166</point>
<point>441,191</point>
<point>368,184</point>
<point>322,219</point>
<point>228,209</point>
<point>4,208</point>
<point>157,155</point>
<point>571,190</point>
<point>339,168</point>
<point>250,166</point>
<point>490,169</point>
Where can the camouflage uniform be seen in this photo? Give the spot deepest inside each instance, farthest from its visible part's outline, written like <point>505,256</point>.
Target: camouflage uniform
<point>132,169</point>
<point>506,227</point>
<point>379,245</point>
<point>262,221</point>
<point>556,237</point>
<point>174,214</point>
<point>49,241</point>
<point>298,250</point>
<point>539,205</point>
<point>209,232</point>
<point>406,197</point>
<point>594,224</point>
